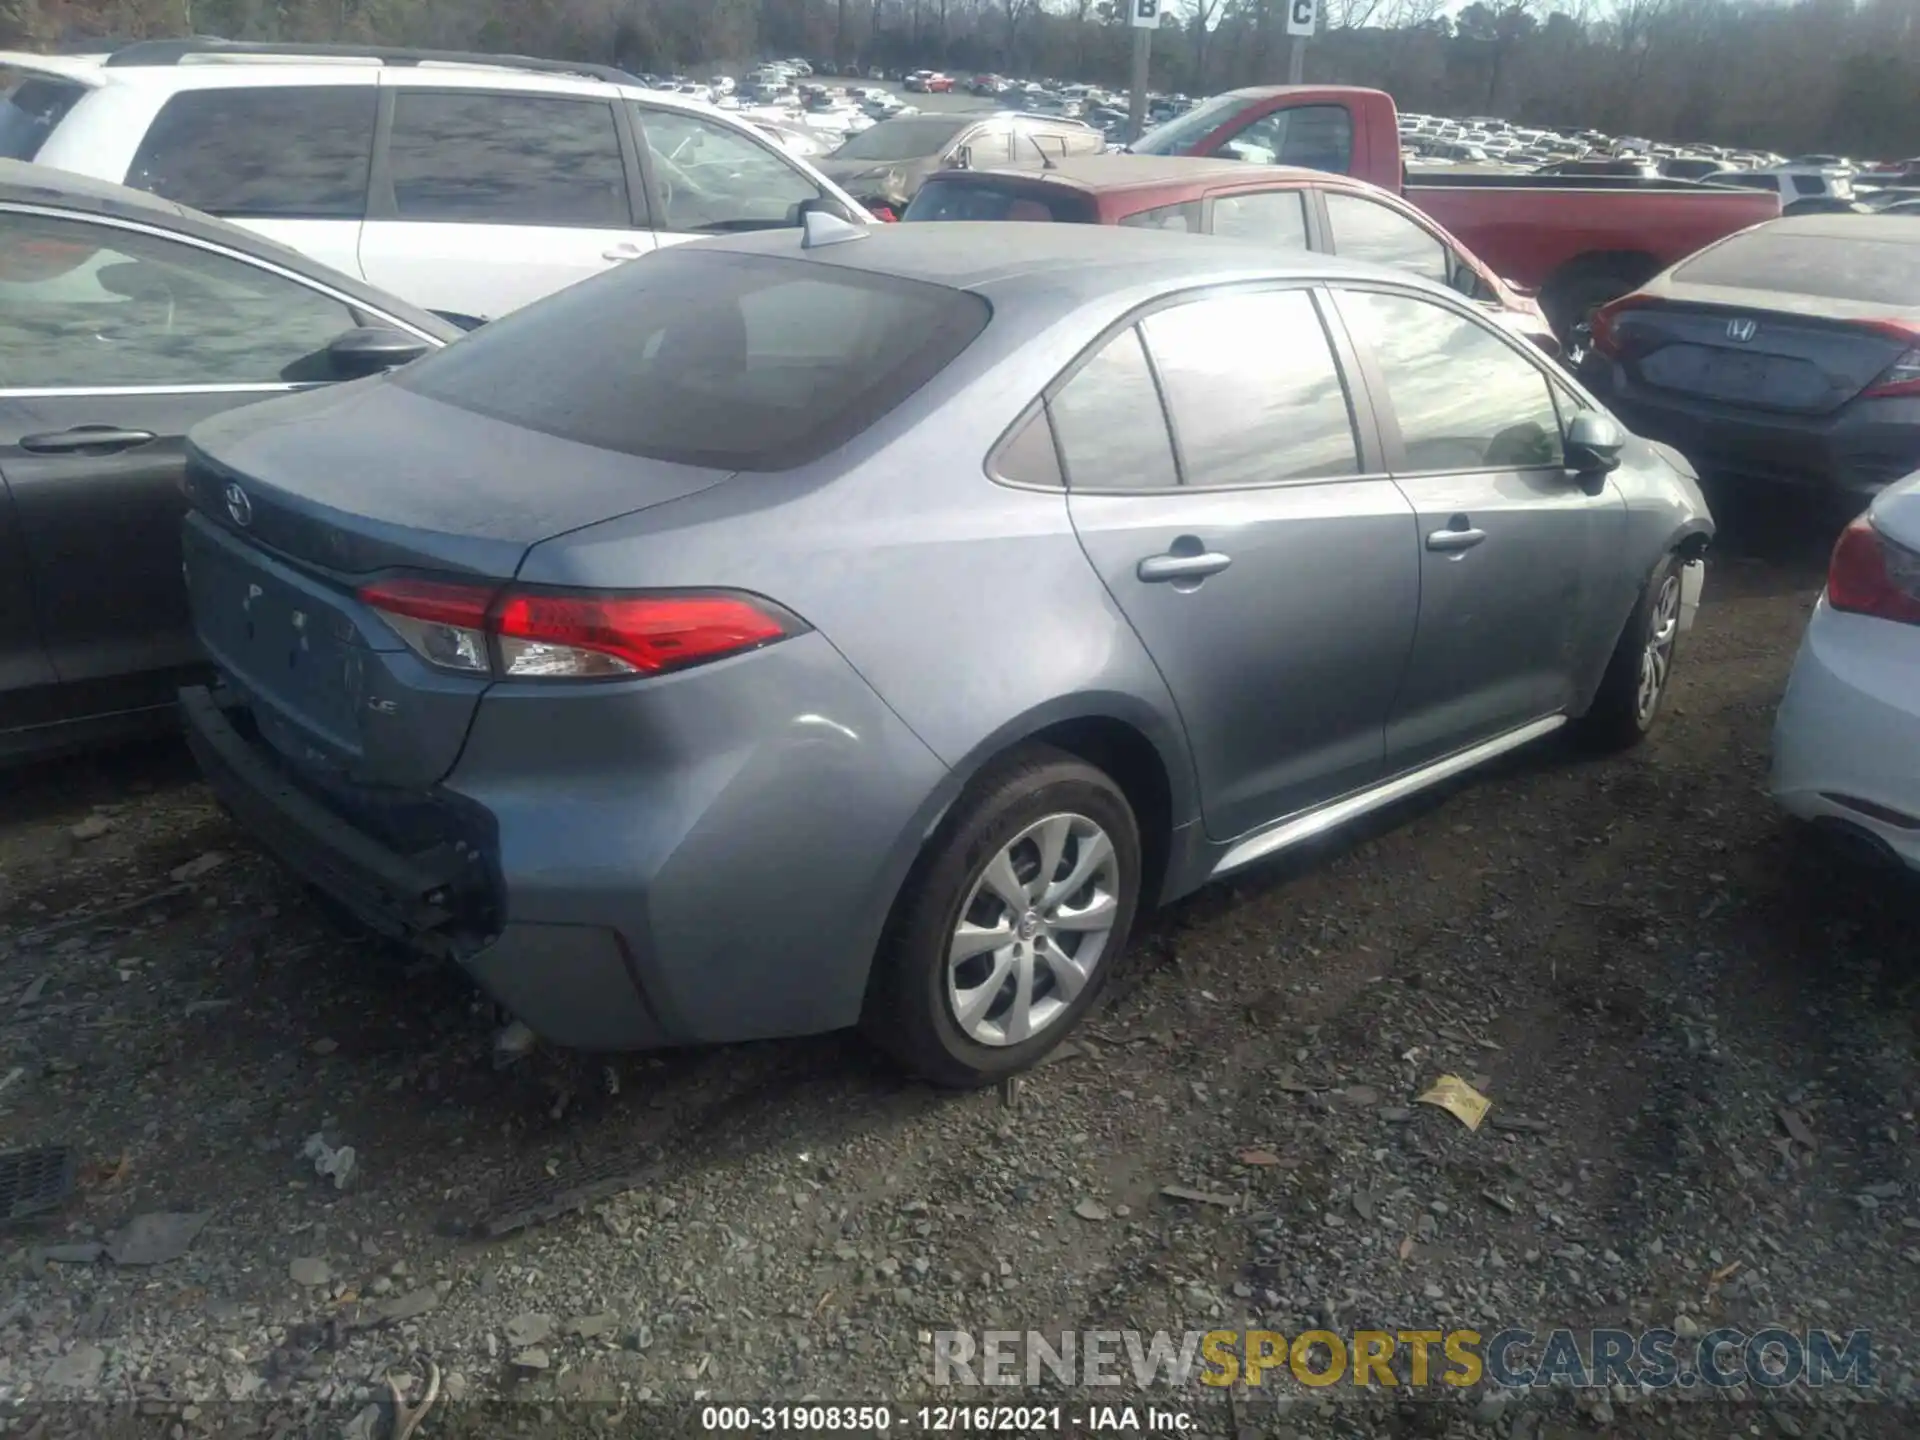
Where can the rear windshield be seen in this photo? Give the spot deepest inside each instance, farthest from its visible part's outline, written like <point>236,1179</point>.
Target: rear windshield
<point>30,106</point>
<point>1868,272</point>
<point>734,362</point>
<point>991,200</point>
<point>907,138</point>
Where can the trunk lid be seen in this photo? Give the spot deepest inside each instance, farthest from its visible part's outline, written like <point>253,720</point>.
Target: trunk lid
<point>1770,359</point>
<point>297,503</point>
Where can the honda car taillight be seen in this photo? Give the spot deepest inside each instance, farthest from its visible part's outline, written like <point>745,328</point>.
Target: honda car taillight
<point>570,635</point>
<point>1870,575</point>
<point>1604,325</point>
<point>1903,376</point>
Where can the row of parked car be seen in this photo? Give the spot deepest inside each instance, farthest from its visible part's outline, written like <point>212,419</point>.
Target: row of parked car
<point>642,649</point>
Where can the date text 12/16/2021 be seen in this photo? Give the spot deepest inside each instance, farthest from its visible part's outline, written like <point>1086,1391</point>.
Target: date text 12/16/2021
<point>1023,1420</point>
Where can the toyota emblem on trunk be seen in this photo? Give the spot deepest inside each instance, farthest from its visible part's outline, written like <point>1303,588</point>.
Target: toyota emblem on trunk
<point>239,506</point>
<point>1742,331</point>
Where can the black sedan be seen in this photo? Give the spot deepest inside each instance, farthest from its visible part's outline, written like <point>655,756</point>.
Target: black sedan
<point>1789,352</point>
<point>124,320</point>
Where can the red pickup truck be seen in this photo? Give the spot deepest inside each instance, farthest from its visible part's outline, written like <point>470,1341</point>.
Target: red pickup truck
<point>1577,241</point>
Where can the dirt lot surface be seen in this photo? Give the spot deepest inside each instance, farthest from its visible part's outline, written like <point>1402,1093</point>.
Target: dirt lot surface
<point>1633,957</point>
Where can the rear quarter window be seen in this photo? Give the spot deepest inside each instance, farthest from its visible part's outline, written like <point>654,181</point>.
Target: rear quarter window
<point>734,362</point>
<point>1868,272</point>
<point>30,106</point>
<point>283,150</point>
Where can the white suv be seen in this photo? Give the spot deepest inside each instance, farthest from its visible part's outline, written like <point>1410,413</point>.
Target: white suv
<point>468,184</point>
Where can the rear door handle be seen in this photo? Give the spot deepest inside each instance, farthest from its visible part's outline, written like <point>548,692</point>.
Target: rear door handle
<point>1158,569</point>
<point>1455,540</point>
<point>94,439</point>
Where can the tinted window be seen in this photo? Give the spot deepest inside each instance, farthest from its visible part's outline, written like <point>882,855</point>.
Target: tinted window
<point>1277,217</point>
<point>975,200</point>
<point>907,137</point>
<point>1465,399</point>
<point>1365,230</point>
<point>1254,391</point>
<point>1811,184</point>
<point>1167,217</point>
<point>30,106</point>
<point>1029,457</point>
<point>1871,272</point>
<point>710,178</point>
<point>1112,431</point>
<point>507,160</point>
<point>733,361</point>
<point>1318,137</point>
<point>285,150</point>
<point>86,306</point>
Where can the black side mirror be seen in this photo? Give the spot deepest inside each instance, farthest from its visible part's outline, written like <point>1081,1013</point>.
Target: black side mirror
<point>371,349</point>
<point>1594,443</point>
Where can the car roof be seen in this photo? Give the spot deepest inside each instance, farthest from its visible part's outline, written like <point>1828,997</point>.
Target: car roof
<point>25,184</point>
<point>1078,262</point>
<point>1847,227</point>
<point>1116,173</point>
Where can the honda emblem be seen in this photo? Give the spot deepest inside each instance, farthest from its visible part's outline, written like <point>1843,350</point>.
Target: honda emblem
<point>1741,331</point>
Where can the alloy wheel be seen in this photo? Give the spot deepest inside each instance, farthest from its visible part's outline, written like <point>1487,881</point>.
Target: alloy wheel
<point>1656,661</point>
<point>1036,923</point>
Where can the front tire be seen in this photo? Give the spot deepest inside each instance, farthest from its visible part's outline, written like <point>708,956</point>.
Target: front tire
<point>1641,671</point>
<point>1010,924</point>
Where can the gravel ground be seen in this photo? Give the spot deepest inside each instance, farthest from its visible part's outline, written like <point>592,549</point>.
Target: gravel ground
<point>1634,958</point>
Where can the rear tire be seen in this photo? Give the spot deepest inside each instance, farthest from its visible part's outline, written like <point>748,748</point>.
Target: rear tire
<point>1627,705</point>
<point>988,962</point>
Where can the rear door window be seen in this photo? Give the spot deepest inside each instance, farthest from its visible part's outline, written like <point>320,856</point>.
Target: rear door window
<point>735,362</point>
<point>1367,230</point>
<point>991,200</point>
<point>30,106</point>
<point>1274,217</point>
<point>282,151</point>
<point>489,158</point>
<point>1315,137</point>
<point>1255,394</point>
<point>1110,424</point>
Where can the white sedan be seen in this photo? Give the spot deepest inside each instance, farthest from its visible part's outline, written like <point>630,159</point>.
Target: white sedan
<point>1846,745</point>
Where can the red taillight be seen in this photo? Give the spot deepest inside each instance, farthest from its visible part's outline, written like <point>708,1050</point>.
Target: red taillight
<point>1903,376</point>
<point>565,635</point>
<point>585,636</point>
<point>883,213</point>
<point>1870,575</point>
<point>439,602</point>
<point>1604,325</point>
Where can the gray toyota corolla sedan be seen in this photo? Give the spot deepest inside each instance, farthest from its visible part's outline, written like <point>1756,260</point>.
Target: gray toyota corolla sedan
<point>828,626</point>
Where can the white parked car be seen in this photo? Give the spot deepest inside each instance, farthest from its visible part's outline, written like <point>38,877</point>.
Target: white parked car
<point>1848,732</point>
<point>467,184</point>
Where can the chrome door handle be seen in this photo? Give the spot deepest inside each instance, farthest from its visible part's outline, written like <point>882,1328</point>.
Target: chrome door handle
<point>622,252</point>
<point>99,439</point>
<point>1455,540</point>
<point>1158,569</point>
